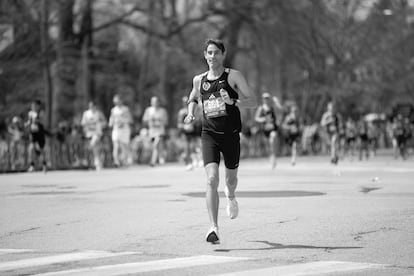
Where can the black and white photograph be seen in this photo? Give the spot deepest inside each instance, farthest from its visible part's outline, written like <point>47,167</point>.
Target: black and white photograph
<point>207,137</point>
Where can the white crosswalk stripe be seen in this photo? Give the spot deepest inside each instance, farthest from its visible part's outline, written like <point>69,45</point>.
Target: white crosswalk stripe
<point>63,258</point>
<point>37,265</point>
<point>313,268</point>
<point>140,267</point>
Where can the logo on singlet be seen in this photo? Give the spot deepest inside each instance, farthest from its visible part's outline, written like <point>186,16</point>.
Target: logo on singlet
<point>211,97</point>
<point>206,85</point>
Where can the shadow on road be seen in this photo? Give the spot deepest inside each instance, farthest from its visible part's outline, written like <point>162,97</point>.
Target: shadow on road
<point>260,194</point>
<point>274,246</point>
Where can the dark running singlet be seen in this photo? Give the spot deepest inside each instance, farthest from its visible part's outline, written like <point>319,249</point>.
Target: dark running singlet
<point>269,114</point>
<point>219,117</point>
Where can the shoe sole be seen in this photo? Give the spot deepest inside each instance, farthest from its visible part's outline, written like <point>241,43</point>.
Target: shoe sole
<point>213,238</point>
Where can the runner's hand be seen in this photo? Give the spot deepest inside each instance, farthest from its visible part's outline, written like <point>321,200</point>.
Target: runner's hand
<point>225,95</point>
<point>188,119</point>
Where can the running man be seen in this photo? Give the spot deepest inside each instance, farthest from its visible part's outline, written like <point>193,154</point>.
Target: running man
<point>156,118</point>
<point>15,130</point>
<point>400,135</point>
<point>37,135</point>
<point>93,123</point>
<point>221,91</point>
<point>331,122</point>
<point>266,117</point>
<point>120,121</point>
<point>362,128</point>
<point>191,133</point>
<point>292,128</point>
<point>350,137</point>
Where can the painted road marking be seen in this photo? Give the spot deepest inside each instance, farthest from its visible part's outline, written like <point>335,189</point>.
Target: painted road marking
<point>14,251</point>
<point>56,259</point>
<point>314,268</point>
<point>139,267</point>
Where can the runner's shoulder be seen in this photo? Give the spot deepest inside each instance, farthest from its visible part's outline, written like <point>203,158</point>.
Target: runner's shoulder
<point>233,72</point>
<point>197,78</point>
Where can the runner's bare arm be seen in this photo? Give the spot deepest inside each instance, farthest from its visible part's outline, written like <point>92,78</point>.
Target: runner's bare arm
<point>193,99</point>
<point>246,96</point>
<point>277,103</point>
<point>258,117</point>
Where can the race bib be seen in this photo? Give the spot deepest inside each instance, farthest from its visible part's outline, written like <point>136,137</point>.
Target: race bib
<point>215,107</point>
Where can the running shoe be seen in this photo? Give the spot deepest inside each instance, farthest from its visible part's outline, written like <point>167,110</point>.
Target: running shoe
<point>232,208</point>
<point>213,235</point>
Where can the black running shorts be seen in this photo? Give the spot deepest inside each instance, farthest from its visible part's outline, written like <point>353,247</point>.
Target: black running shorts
<point>228,144</point>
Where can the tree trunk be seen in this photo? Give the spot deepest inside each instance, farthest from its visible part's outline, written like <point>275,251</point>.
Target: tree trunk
<point>66,64</point>
<point>44,27</point>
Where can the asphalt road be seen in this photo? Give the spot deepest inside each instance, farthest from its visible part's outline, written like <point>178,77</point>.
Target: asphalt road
<point>356,218</point>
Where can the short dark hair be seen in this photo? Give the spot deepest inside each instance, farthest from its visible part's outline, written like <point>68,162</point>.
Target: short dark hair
<point>216,42</point>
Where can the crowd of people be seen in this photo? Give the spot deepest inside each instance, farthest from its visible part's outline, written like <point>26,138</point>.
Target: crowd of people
<point>276,130</point>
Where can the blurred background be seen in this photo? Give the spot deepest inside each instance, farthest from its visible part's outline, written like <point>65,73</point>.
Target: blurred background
<point>65,52</point>
<point>357,53</point>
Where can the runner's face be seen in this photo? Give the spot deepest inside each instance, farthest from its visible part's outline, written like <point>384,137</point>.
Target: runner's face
<point>214,56</point>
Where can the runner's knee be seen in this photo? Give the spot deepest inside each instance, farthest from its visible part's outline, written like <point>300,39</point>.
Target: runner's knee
<point>213,181</point>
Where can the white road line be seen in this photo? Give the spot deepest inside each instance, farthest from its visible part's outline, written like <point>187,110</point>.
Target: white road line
<point>314,268</point>
<point>64,258</point>
<point>4,251</point>
<point>139,267</point>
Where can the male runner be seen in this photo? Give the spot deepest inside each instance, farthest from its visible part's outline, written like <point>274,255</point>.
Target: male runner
<point>191,133</point>
<point>331,121</point>
<point>93,123</point>
<point>291,126</point>
<point>350,137</point>
<point>120,121</point>
<point>156,118</point>
<point>37,135</point>
<point>266,117</point>
<point>221,91</point>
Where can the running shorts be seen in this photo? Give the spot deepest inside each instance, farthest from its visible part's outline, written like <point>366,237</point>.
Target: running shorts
<point>38,138</point>
<point>213,144</point>
<point>122,136</point>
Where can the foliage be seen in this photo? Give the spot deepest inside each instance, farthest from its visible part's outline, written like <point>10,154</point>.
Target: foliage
<point>307,52</point>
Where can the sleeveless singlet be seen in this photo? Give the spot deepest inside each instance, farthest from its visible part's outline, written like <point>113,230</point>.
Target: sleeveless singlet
<point>269,114</point>
<point>219,117</point>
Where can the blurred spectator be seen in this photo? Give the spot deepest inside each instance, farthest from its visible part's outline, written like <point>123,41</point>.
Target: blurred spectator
<point>120,121</point>
<point>330,122</point>
<point>350,138</point>
<point>62,152</point>
<point>142,147</point>
<point>266,117</point>
<point>190,134</point>
<point>37,136</point>
<point>15,130</point>
<point>363,138</point>
<point>93,123</point>
<point>156,118</point>
<point>292,129</point>
<point>401,134</point>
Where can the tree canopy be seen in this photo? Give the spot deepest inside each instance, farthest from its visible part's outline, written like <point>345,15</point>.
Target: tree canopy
<point>357,53</point>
